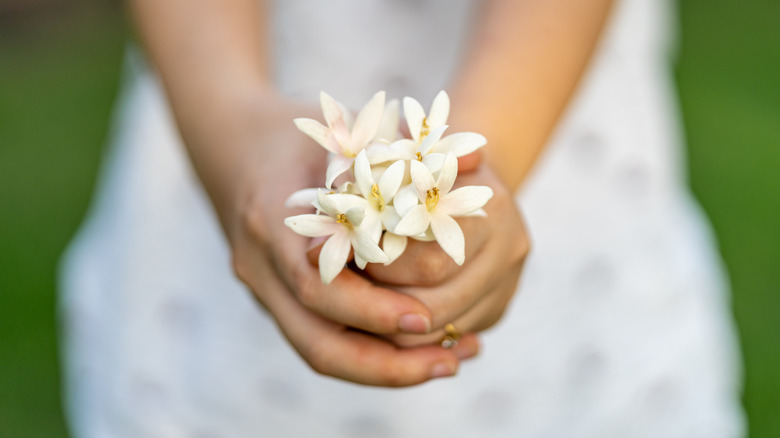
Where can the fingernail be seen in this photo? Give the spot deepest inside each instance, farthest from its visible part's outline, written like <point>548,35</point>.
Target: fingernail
<point>443,369</point>
<point>414,323</point>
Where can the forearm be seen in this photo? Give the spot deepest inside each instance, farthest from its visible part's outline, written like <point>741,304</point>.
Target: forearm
<point>525,62</point>
<point>211,57</point>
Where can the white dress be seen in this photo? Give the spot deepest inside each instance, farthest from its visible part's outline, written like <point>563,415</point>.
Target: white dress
<point>621,327</point>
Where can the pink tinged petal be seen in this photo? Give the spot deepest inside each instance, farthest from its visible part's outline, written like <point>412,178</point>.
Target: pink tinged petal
<point>450,236</point>
<point>312,225</point>
<point>464,200</point>
<point>434,162</point>
<point>326,204</point>
<point>422,180</point>
<point>440,110</point>
<point>391,180</point>
<point>367,122</point>
<point>447,174</point>
<point>363,178</point>
<point>331,110</point>
<point>460,144</point>
<point>393,245</point>
<point>414,222</point>
<point>356,215</point>
<point>365,247</point>
<point>338,165</point>
<point>388,127</point>
<point>429,143</point>
<point>405,199</point>
<point>414,114</point>
<point>333,256</point>
<point>319,133</point>
<point>301,198</point>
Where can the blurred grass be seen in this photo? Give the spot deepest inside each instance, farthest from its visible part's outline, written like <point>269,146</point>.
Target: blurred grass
<point>58,77</point>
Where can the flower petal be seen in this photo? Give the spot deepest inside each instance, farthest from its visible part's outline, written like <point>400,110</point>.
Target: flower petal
<point>465,200</point>
<point>388,127</point>
<point>460,144</point>
<point>391,180</point>
<point>333,256</point>
<point>380,153</point>
<point>326,204</point>
<point>450,236</point>
<point>440,110</point>
<point>356,215</point>
<point>447,174</point>
<point>338,165</point>
<point>312,225</point>
<point>335,116</point>
<point>393,245</point>
<point>477,213</point>
<point>431,139</point>
<point>433,162</point>
<point>363,178</point>
<point>414,222</point>
<point>422,179</point>
<point>301,198</point>
<point>366,247</point>
<point>360,261</point>
<point>319,133</point>
<point>367,122</point>
<point>405,199</point>
<point>414,114</point>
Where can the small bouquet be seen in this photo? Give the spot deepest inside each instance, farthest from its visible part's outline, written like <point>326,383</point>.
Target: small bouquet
<point>389,188</point>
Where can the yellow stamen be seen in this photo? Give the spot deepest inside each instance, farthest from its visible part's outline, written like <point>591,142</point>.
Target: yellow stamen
<point>419,156</point>
<point>376,198</point>
<point>424,129</point>
<point>343,219</point>
<point>432,198</point>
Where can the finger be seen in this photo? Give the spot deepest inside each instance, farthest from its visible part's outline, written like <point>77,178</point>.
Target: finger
<point>349,299</point>
<point>334,350</point>
<point>470,162</point>
<point>483,315</point>
<point>425,263</point>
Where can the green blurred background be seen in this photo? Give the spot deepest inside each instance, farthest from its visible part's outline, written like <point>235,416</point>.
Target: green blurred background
<point>59,69</point>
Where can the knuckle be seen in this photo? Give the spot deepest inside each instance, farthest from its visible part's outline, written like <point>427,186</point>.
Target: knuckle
<point>433,265</point>
<point>253,220</point>
<point>306,287</point>
<point>318,360</point>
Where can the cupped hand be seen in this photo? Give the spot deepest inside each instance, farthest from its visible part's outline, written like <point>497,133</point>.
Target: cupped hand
<point>331,326</point>
<point>474,296</point>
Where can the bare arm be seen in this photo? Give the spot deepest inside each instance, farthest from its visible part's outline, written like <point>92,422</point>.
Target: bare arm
<point>524,64</point>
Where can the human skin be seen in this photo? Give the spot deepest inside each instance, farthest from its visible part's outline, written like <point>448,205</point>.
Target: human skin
<point>380,329</point>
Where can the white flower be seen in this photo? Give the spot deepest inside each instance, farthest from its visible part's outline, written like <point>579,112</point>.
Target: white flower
<point>421,125</point>
<point>378,194</point>
<point>341,137</point>
<point>438,205</point>
<point>341,221</point>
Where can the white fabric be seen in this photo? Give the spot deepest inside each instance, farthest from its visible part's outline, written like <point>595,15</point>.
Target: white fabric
<point>621,328</point>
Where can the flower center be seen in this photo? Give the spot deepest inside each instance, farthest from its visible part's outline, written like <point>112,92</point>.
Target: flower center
<point>432,198</point>
<point>419,156</point>
<point>343,219</point>
<point>424,129</point>
<point>376,198</point>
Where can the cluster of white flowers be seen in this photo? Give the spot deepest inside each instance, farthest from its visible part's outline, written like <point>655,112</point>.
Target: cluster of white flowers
<point>397,188</point>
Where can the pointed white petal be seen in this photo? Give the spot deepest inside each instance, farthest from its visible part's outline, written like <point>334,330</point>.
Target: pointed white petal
<point>312,225</point>
<point>393,245</point>
<point>414,114</point>
<point>427,236</point>
<point>380,153</point>
<point>447,174</point>
<point>460,144</point>
<point>338,165</point>
<point>450,236</point>
<point>391,180</point>
<point>390,218</point>
<point>356,215</point>
<point>331,109</point>
<point>477,213</point>
<point>464,200</point>
<point>363,178</point>
<point>430,141</point>
<point>346,201</point>
<point>319,133</point>
<point>366,247</point>
<point>367,122</point>
<point>405,199</point>
<point>301,198</point>
<point>440,110</point>
<point>360,261</point>
<point>414,222</point>
<point>388,127</point>
<point>422,179</point>
<point>326,204</point>
<point>434,162</point>
<point>333,256</point>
